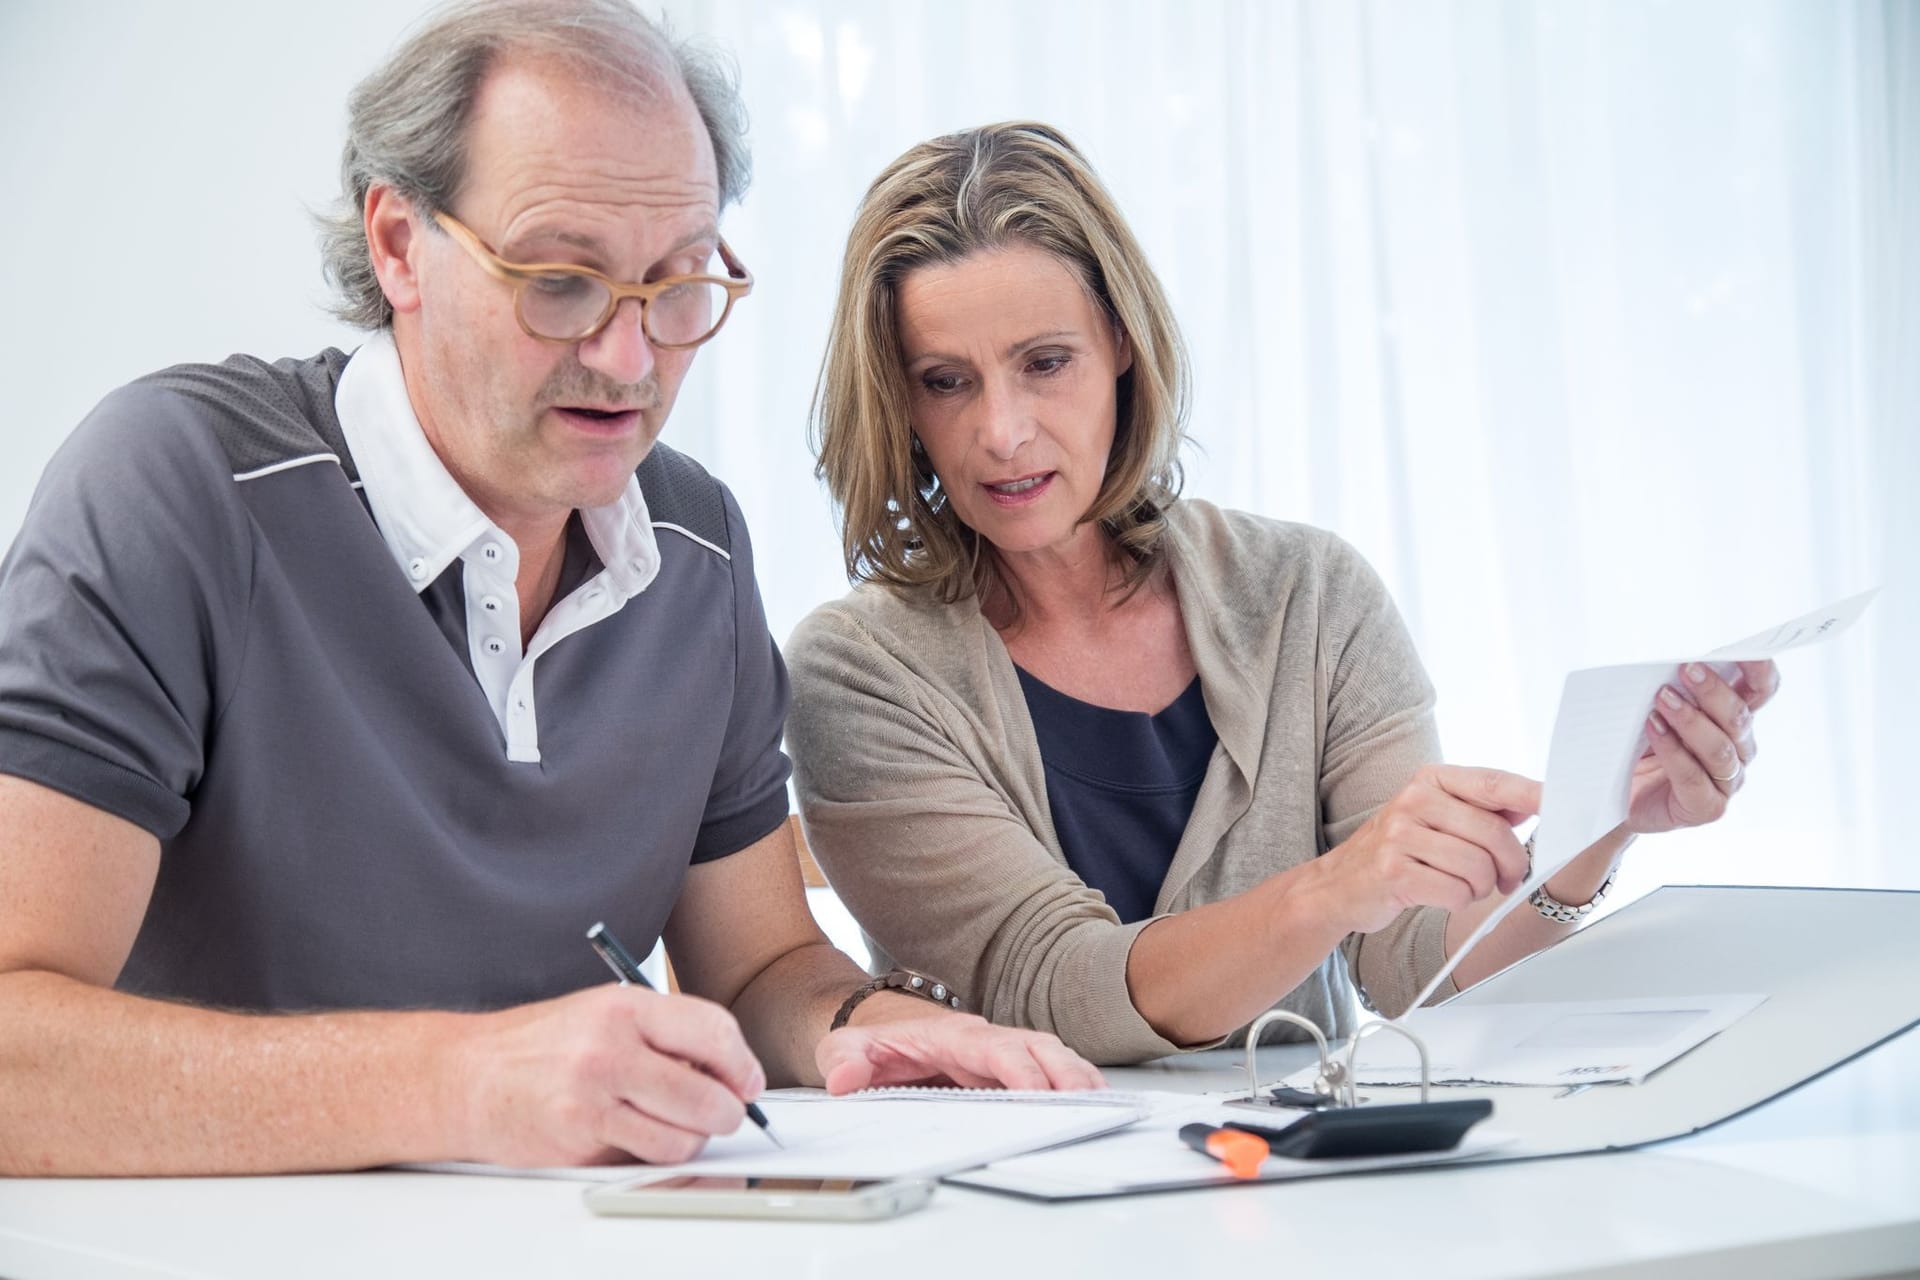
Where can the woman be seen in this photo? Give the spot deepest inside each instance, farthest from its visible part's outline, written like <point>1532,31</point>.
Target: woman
<point>1127,768</point>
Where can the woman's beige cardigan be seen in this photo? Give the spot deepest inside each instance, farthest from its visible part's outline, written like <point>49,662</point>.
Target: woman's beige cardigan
<point>921,786</point>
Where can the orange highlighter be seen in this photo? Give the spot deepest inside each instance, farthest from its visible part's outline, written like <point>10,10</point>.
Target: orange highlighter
<point>1242,1153</point>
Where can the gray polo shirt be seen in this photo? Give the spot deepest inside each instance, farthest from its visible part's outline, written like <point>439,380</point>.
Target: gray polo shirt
<point>203,631</point>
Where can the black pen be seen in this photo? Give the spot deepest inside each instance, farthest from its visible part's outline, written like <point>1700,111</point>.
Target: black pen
<point>627,969</point>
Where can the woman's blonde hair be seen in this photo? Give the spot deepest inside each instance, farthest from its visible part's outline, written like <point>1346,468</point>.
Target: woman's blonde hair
<point>1002,185</point>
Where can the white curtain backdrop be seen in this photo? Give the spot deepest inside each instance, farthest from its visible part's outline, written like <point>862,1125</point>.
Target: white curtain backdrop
<point>1594,324</point>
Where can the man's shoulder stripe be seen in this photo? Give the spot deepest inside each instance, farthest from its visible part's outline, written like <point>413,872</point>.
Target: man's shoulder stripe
<point>681,496</point>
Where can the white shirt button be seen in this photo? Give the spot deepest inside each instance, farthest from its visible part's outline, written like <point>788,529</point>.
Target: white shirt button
<point>491,551</point>
<point>494,645</point>
<point>417,570</point>
<point>490,603</point>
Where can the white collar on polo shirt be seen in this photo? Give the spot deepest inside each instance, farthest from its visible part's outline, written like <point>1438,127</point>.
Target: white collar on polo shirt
<point>425,517</point>
<point>428,522</point>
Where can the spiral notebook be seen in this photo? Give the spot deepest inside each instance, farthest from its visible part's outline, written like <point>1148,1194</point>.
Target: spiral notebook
<point>886,1133</point>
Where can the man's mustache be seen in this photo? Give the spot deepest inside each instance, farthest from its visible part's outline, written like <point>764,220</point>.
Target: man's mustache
<point>575,384</point>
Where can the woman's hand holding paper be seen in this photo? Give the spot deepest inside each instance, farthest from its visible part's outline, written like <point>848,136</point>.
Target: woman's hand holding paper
<point>1445,840</point>
<point>1700,741</point>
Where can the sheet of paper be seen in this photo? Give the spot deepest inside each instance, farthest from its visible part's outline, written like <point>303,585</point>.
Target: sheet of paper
<point>883,1134</point>
<point>1549,1043</point>
<point>1598,735</point>
<point>1150,1156</point>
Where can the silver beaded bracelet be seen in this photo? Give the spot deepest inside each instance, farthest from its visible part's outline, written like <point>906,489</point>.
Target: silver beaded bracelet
<point>1554,909</point>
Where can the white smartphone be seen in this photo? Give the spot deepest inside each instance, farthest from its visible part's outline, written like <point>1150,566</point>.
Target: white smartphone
<point>705,1196</point>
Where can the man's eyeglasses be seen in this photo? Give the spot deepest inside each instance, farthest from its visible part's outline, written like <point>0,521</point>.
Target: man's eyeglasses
<point>560,303</point>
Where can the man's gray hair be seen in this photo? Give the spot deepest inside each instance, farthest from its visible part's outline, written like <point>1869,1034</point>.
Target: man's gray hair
<point>407,122</point>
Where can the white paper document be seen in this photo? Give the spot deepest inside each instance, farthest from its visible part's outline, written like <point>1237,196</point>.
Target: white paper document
<point>1600,732</point>
<point>1151,1157</point>
<point>890,1133</point>
<point>1550,1043</point>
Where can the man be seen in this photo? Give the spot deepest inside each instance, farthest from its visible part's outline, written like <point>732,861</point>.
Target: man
<point>304,813</point>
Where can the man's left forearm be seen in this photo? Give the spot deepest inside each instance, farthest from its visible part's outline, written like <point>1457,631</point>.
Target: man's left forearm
<point>789,1005</point>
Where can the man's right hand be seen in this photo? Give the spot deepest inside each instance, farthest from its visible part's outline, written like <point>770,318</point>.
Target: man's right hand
<point>602,1076</point>
<point>1446,840</point>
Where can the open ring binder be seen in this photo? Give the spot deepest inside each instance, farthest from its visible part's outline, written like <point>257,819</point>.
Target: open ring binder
<point>1334,1081</point>
<point>1345,1128</point>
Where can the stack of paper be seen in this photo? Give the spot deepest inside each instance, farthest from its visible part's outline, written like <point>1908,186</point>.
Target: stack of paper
<point>1598,736</point>
<point>1558,1043</point>
<point>886,1133</point>
<point>1151,1157</point>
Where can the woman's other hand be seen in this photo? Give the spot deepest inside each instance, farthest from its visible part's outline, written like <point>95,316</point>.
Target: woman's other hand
<point>949,1048</point>
<point>1699,743</point>
<point>1446,840</point>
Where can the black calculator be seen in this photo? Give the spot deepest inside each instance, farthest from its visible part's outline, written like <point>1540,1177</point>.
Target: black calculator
<point>1402,1129</point>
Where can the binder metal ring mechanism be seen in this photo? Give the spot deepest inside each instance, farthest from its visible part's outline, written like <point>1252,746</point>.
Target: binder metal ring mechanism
<point>1336,1124</point>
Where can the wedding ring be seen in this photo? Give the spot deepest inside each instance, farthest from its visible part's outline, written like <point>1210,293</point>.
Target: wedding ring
<point>1729,778</point>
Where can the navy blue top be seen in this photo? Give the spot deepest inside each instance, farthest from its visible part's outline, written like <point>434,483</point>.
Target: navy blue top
<point>1121,785</point>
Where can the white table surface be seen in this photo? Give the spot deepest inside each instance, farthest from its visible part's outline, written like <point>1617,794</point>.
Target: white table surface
<point>1823,1181</point>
